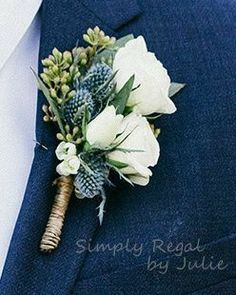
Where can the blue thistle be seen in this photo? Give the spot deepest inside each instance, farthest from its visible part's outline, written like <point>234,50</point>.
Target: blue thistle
<point>91,176</point>
<point>74,109</point>
<point>96,77</point>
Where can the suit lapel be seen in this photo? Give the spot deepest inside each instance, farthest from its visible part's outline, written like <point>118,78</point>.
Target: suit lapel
<point>27,270</point>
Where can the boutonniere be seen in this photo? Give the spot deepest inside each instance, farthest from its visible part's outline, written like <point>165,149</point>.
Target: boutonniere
<point>102,98</point>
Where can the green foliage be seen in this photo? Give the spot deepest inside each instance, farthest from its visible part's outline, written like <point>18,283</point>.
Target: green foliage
<point>116,164</point>
<point>108,54</point>
<point>121,98</point>
<point>52,103</point>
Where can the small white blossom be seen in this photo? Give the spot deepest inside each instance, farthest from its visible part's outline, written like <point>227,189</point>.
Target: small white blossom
<point>65,149</point>
<point>152,78</point>
<point>70,165</point>
<point>103,129</point>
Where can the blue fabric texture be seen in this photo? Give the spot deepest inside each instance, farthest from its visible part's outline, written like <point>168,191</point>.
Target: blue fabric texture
<point>190,200</point>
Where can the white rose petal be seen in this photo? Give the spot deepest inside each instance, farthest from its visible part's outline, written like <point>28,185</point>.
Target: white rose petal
<point>69,166</point>
<point>139,179</point>
<point>152,95</point>
<point>138,138</point>
<point>65,149</point>
<point>103,129</point>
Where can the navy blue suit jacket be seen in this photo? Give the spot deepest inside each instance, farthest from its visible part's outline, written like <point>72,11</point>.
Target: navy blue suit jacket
<point>190,201</point>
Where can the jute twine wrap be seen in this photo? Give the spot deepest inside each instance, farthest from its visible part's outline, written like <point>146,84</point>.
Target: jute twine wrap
<point>51,236</point>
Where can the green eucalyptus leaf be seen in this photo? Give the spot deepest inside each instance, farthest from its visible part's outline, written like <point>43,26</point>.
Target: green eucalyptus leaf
<point>122,41</point>
<point>175,88</point>
<point>116,164</point>
<point>51,102</point>
<point>111,51</point>
<point>121,98</point>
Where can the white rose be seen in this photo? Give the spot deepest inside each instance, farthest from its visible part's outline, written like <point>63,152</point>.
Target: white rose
<point>70,165</point>
<point>152,95</point>
<point>103,129</point>
<point>136,135</point>
<point>65,149</point>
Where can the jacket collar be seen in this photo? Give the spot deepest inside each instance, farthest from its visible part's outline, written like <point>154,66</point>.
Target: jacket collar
<point>15,19</point>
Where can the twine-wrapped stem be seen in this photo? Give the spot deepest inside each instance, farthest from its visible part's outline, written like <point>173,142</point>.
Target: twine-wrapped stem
<point>51,236</point>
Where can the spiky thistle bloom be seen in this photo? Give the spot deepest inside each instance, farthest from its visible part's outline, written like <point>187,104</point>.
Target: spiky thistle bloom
<point>74,109</point>
<point>91,176</point>
<point>97,82</point>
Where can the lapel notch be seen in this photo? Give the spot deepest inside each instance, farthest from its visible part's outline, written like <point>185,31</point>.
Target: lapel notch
<point>114,13</point>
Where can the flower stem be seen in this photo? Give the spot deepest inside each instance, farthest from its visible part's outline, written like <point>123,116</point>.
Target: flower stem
<point>51,236</point>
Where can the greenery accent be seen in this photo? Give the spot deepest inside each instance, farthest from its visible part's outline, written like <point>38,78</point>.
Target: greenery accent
<point>121,98</point>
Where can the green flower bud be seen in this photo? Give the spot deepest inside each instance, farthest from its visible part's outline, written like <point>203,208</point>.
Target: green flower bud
<point>67,56</point>
<point>96,30</point>
<point>106,39</point>
<point>60,136</point>
<point>67,127</point>
<point>56,80</point>
<point>83,55</point>
<point>86,38</point>
<point>78,141</point>
<point>75,130</point>
<point>83,61</point>
<point>53,93</point>
<point>45,108</point>
<point>47,62</point>
<point>57,54</point>
<point>55,70</point>
<point>45,78</point>
<point>65,89</point>
<point>46,118</point>
<point>69,137</point>
<point>90,32</point>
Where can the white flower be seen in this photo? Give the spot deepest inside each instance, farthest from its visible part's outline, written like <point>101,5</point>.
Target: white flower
<point>103,129</point>
<point>70,165</point>
<point>137,136</point>
<point>152,95</point>
<point>65,149</point>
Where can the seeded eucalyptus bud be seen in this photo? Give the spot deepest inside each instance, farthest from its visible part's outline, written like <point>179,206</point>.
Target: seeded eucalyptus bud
<point>45,108</point>
<point>102,34</point>
<point>65,89</point>
<point>59,100</point>
<point>83,61</point>
<point>46,118</point>
<point>52,58</point>
<point>78,141</point>
<point>45,78</point>
<point>53,93</point>
<point>60,136</point>
<point>106,39</point>
<point>67,56</point>
<point>56,80</point>
<point>86,38</point>
<point>57,54</point>
<point>67,127</point>
<point>96,30</point>
<point>47,62</point>
<point>69,137</point>
<point>83,55</point>
<point>75,130</point>
<point>90,31</point>
<point>55,70</point>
